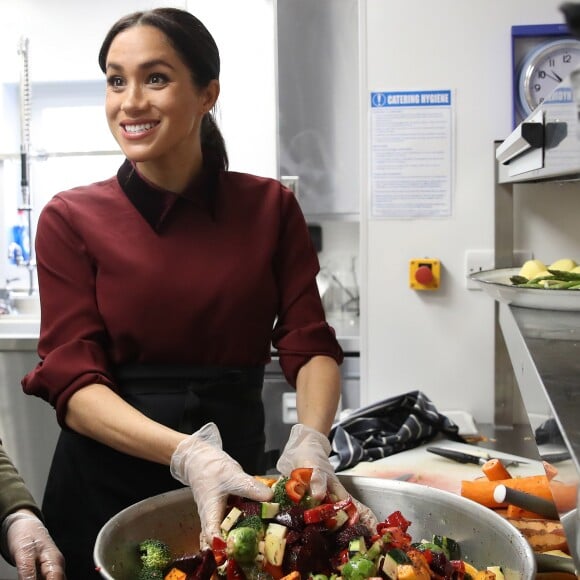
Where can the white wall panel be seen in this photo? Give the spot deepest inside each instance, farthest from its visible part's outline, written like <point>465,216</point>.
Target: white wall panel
<point>442,342</point>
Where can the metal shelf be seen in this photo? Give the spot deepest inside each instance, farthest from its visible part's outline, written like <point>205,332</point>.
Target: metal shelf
<point>544,349</point>
<point>537,358</point>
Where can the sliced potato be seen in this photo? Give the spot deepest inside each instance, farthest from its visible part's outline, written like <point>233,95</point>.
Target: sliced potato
<point>531,268</point>
<point>563,264</point>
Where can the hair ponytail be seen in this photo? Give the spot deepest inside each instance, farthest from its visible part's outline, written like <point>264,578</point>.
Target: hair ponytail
<point>213,147</point>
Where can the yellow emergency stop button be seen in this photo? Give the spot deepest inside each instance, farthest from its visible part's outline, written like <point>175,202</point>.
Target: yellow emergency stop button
<point>424,274</point>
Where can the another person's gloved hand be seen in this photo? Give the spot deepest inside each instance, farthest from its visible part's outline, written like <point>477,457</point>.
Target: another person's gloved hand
<point>307,447</point>
<point>200,462</point>
<point>33,551</point>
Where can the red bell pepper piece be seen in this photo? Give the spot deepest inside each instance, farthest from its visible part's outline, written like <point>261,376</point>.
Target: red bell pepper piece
<point>275,571</point>
<point>218,547</point>
<point>295,490</point>
<point>319,513</point>
<point>233,571</point>
<point>397,519</point>
<point>302,474</point>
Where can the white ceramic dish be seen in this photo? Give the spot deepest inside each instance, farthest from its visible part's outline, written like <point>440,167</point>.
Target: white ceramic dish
<point>496,283</point>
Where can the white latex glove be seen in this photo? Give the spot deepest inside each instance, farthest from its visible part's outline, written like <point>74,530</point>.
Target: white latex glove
<point>200,462</point>
<point>33,551</point>
<point>307,447</point>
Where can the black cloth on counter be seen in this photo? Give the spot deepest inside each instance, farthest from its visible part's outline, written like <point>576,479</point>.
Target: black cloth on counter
<point>387,427</point>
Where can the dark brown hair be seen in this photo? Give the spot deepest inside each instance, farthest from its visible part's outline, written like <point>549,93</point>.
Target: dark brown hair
<point>196,46</point>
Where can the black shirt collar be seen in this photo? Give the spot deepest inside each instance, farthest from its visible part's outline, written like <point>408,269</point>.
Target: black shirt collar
<point>155,203</point>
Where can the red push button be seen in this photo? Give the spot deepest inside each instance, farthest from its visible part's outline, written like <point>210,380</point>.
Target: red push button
<point>424,275</point>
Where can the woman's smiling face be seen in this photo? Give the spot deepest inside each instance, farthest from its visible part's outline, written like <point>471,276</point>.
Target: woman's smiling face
<point>153,108</point>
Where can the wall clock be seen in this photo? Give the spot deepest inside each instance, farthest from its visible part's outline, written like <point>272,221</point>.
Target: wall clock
<point>542,56</point>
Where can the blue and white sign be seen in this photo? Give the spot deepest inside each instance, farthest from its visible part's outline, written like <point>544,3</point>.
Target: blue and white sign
<point>411,153</point>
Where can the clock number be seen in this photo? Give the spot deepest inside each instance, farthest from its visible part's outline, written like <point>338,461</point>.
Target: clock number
<point>567,58</point>
<point>537,87</point>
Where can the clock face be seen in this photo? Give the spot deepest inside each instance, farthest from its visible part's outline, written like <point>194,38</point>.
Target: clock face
<point>544,69</point>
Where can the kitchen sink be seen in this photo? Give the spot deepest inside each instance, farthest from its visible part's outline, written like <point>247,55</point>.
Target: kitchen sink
<point>19,325</point>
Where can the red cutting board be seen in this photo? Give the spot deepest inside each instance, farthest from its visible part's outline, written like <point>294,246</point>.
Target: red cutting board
<point>428,469</point>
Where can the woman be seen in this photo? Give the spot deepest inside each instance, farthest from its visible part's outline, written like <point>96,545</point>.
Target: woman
<point>24,540</point>
<point>162,290</point>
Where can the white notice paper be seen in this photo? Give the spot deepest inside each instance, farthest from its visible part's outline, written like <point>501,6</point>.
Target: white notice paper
<point>411,154</point>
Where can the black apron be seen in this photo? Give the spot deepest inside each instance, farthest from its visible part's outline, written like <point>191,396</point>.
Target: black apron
<point>89,482</point>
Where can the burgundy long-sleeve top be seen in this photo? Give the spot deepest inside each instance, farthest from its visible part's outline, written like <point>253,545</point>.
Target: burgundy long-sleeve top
<point>130,273</point>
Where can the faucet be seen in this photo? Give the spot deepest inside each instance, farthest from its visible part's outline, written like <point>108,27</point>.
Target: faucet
<point>6,305</point>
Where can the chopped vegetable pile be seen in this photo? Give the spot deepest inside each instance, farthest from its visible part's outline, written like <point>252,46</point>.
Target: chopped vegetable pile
<point>563,274</point>
<point>297,538</point>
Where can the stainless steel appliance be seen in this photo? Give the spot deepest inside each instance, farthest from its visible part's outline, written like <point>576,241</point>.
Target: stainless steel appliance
<point>546,145</point>
<point>280,402</point>
<point>318,103</point>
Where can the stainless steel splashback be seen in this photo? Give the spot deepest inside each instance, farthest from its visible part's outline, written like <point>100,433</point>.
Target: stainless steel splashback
<point>318,102</point>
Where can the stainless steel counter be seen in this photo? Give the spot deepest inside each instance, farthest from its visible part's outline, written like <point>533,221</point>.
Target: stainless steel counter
<point>544,348</point>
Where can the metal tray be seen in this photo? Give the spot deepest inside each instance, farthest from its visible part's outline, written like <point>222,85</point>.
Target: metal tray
<point>496,283</point>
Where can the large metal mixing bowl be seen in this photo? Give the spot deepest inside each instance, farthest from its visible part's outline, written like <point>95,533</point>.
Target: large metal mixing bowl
<point>486,538</point>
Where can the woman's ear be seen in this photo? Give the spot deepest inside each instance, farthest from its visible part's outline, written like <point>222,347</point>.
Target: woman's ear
<point>211,94</point>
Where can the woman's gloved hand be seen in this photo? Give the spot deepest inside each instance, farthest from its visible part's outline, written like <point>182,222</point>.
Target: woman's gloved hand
<point>200,462</point>
<point>307,447</point>
<point>31,548</point>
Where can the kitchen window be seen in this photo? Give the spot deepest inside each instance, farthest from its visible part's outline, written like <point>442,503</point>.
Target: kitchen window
<point>70,145</point>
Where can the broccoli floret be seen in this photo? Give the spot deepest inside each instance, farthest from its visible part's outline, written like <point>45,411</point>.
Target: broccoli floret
<point>254,522</point>
<point>150,574</point>
<point>154,553</point>
<point>242,545</point>
<point>281,495</point>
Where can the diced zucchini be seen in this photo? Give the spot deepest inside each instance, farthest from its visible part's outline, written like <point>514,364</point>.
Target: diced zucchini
<point>450,547</point>
<point>357,546</point>
<point>277,530</point>
<point>274,546</point>
<point>340,518</point>
<point>231,519</point>
<point>275,543</point>
<point>393,559</point>
<point>268,509</point>
<point>426,545</point>
<point>375,550</point>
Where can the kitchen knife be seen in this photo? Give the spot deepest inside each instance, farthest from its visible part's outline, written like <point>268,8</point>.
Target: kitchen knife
<point>526,501</point>
<point>462,457</point>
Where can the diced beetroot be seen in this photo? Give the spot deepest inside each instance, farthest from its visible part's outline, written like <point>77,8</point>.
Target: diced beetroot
<point>348,533</point>
<point>198,566</point>
<point>292,518</point>
<point>292,537</point>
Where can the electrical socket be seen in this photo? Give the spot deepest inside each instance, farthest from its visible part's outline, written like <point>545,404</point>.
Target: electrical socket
<point>480,260</point>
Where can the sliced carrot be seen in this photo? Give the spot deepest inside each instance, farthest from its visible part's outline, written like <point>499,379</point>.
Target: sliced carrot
<point>175,574</point>
<point>481,490</point>
<point>294,575</point>
<point>269,481</point>
<point>495,470</point>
